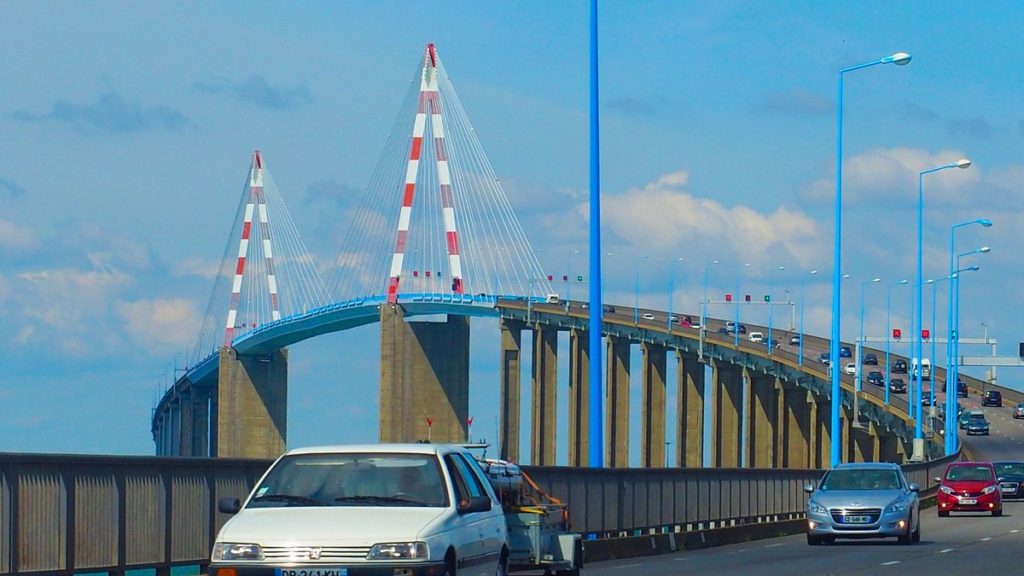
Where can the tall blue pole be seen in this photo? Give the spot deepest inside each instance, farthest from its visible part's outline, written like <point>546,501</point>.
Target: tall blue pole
<point>770,302</point>
<point>836,437</point>
<point>596,420</point>
<point>932,335</point>
<point>888,334</point>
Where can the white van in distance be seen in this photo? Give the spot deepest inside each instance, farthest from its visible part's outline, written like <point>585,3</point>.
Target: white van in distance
<point>926,368</point>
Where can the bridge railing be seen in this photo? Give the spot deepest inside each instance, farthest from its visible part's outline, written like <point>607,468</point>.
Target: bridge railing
<point>63,514</point>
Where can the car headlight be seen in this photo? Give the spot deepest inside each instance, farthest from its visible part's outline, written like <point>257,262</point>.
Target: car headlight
<point>897,506</point>
<point>813,506</point>
<point>947,490</point>
<point>988,489</point>
<point>399,551</point>
<point>226,551</point>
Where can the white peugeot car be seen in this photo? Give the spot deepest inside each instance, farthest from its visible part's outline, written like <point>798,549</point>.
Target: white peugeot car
<point>411,509</point>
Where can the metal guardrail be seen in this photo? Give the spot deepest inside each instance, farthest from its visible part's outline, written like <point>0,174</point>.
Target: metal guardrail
<point>64,514</point>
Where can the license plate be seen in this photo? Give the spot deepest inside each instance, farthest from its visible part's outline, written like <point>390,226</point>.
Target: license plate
<point>311,572</point>
<point>968,500</point>
<point>1008,488</point>
<point>856,519</point>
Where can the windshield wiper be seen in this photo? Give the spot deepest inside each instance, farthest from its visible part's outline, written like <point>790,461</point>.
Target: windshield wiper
<point>288,498</point>
<point>377,500</point>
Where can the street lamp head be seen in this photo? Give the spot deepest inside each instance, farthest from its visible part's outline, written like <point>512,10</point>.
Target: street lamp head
<point>974,268</point>
<point>903,281</point>
<point>963,163</point>
<point>984,250</point>
<point>814,271</point>
<point>984,222</point>
<point>876,279</point>
<point>899,59</point>
<point>845,276</point>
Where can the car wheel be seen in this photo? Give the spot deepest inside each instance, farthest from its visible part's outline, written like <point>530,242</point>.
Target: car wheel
<point>998,511</point>
<point>943,513</point>
<point>813,540</point>
<point>916,536</point>
<point>908,538</point>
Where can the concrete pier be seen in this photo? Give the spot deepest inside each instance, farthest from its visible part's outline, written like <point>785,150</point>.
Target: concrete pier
<point>510,390</point>
<point>252,404</point>
<point>617,403</point>
<point>689,411</point>
<point>544,401</point>
<point>579,398</point>
<point>652,424</point>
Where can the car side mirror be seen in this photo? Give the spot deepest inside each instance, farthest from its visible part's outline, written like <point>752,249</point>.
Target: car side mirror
<point>478,504</point>
<point>809,488</point>
<point>229,505</point>
<point>914,487</point>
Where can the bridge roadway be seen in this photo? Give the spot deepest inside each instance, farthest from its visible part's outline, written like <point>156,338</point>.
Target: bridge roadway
<point>961,544</point>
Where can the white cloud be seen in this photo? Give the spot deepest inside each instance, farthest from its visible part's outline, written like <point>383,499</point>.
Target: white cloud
<point>663,218</point>
<point>170,322</point>
<point>207,269</point>
<point>892,174</point>
<point>14,237</point>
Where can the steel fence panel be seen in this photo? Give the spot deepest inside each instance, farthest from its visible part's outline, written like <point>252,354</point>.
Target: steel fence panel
<point>145,510</point>
<point>190,512</point>
<point>5,523</point>
<point>41,517</point>
<point>96,520</point>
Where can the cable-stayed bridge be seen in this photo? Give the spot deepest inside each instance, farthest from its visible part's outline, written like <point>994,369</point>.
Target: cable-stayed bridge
<point>436,235</point>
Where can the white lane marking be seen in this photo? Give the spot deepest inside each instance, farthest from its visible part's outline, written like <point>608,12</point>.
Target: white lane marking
<point>890,563</point>
<point>985,539</point>
<point>629,566</point>
<point>680,559</point>
<point>1014,531</point>
<point>773,545</point>
<point>945,550</point>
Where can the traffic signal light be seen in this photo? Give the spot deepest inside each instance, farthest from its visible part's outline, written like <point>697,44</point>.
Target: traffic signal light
<point>565,277</point>
<point>897,333</point>
<point>925,333</point>
<point>747,297</point>
<point>579,278</point>
<point>550,277</point>
<point>767,298</point>
<point>728,297</point>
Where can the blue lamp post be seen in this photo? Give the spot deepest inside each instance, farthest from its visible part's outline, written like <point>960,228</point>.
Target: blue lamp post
<point>770,302</point>
<point>636,301</point>
<point>704,312</point>
<point>568,279</point>
<point>931,400</point>
<point>900,59</point>
<point>801,360</point>
<point>860,339</point>
<point>888,332</point>
<point>672,290</point>
<point>914,335</point>
<point>951,429</point>
<point>736,320</point>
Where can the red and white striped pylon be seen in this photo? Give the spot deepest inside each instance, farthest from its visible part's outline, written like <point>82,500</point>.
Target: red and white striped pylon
<point>428,95</point>
<point>257,203</point>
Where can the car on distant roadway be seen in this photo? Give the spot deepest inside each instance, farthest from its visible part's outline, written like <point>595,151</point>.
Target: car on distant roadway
<point>647,316</point>
<point>926,397</point>
<point>969,487</point>
<point>875,377</point>
<point>977,426</point>
<point>824,358</point>
<point>899,366</point>
<point>966,416</point>
<point>961,389</point>
<point>608,308</point>
<point>863,500</point>
<point>850,368</point>
<point>756,336</point>
<point>897,386</point>
<point>992,398</point>
<point>870,359</point>
<point>1010,476</point>
<point>1018,412</point>
<point>794,340</point>
<point>845,352</point>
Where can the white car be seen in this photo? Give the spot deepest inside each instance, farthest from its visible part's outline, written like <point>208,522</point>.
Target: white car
<point>756,337</point>
<point>850,368</point>
<point>647,316</point>
<point>389,508</point>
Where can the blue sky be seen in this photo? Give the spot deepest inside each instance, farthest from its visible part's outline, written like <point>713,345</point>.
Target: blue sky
<point>127,129</point>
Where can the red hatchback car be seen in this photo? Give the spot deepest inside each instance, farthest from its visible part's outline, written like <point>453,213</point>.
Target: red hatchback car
<point>969,487</point>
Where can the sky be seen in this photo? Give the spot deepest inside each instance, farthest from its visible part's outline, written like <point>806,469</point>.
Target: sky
<point>126,131</point>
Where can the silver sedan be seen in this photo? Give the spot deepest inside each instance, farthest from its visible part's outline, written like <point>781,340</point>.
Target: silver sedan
<point>866,500</point>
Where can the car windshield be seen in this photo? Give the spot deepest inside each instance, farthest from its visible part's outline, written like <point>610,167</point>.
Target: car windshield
<point>861,479</point>
<point>969,473</point>
<point>1010,468</point>
<point>365,479</point>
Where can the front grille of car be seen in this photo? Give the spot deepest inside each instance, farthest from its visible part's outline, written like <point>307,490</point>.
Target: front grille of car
<point>839,514</point>
<point>314,553</point>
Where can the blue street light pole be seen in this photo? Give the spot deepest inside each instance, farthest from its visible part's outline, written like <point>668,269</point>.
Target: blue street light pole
<point>704,312</point>
<point>934,332</point>
<point>568,279</point>
<point>801,360</point>
<point>736,320</point>
<point>888,332</point>
<point>770,302</point>
<point>636,301</point>
<point>860,339</point>
<point>951,427</point>
<point>900,59</point>
<point>672,290</point>
<point>918,454</point>
<point>595,421</point>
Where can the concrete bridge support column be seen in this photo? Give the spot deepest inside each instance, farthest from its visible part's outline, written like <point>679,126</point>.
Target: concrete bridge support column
<point>252,404</point>
<point>617,402</point>
<point>689,411</point>
<point>847,423</point>
<point>821,455</point>
<point>762,420</point>
<point>511,384</point>
<point>424,370</point>
<point>727,408</point>
<point>652,426</point>
<point>545,408</point>
<point>865,441</point>
<point>579,398</point>
<point>796,429</point>
<point>200,422</point>
<point>174,435</point>
<point>889,448</point>
<point>186,430</point>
